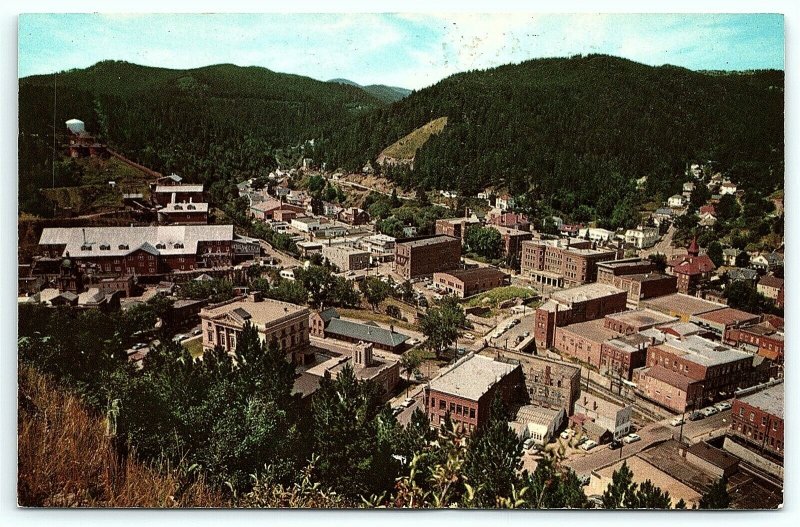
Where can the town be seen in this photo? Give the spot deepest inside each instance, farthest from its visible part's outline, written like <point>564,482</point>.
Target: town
<point>656,349</point>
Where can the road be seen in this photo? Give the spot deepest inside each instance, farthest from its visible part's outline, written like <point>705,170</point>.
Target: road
<point>284,259</point>
<point>664,246</point>
<point>693,432</point>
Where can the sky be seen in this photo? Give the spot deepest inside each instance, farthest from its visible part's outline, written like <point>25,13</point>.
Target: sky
<point>407,50</point>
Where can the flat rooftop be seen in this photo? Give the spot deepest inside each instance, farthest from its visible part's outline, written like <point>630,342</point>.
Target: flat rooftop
<point>727,316</point>
<point>471,377</point>
<point>630,343</point>
<point>258,313</point>
<point>625,262</point>
<point>594,330</point>
<point>343,248</point>
<point>432,240</point>
<point>642,318</point>
<point>680,303</point>
<point>583,293</point>
<point>597,404</point>
<point>475,274</point>
<point>770,400</point>
<point>532,365</point>
<point>169,189</point>
<point>703,351</point>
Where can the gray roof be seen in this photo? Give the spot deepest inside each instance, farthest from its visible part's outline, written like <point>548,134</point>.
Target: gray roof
<point>705,352</point>
<point>769,400</point>
<point>365,332</point>
<point>431,240</point>
<point>329,314</point>
<point>471,377</point>
<point>125,240</point>
<point>169,189</point>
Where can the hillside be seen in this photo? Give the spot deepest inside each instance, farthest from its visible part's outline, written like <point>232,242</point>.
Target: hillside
<point>578,131</point>
<point>209,124</point>
<point>387,94</point>
<point>405,149</point>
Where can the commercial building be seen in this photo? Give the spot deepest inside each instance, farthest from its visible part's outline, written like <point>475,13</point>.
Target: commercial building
<point>720,321</point>
<point>141,250</point>
<point>379,246</point>
<point>548,383</point>
<point>562,263</point>
<point>345,257</point>
<point>185,213</point>
<point>621,355</point>
<point>643,286</point>
<point>327,324</point>
<point>467,388</point>
<point>512,220</point>
<point>681,305</point>
<point>280,323</point>
<point>353,216</point>
<point>166,194</point>
<point>455,227</point>
<point>383,370</point>
<point>757,420</point>
<point>763,339</point>
<point>538,423</point>
<point>606,271</point>
<point>612,417</point>
<point>583,341</point>
<point>572,306</point>
<point>416,257</point>
<point>464,283</point>
<point>771,287</point>
<point>642,237</point>
<point>636,320</point>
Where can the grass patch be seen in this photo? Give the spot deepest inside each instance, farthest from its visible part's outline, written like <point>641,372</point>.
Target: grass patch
<point>194,347</point>
<point>366,314</point>
<point>406,147</point>
<point>499,295</point>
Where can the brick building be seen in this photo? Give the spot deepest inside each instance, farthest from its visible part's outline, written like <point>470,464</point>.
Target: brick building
<point>512,220</point>
<point>763,339</point>
<point>382,369</point>
<point>621,355</point>
<point>583,341</point>
<point>415,257</point>
<point>606,271</point>
<point>455,227</point>
<point>681,305</point>
<point>757,420</point>
<point>636,320</point>
<point>346,258</point>
<point>467,388</point>
<point>720,321</point>
<point>643,286</point>
<point>464,283</point>
<point>279,322</point>
<point>697,370</point>
<point>511,240</point>
<point>572,306</point>
<point>141,250</point>
<point>549,383</point>
<point>562,263</point>
<point>184,213</point>
<point>166,194</point>
<point>692,270</point>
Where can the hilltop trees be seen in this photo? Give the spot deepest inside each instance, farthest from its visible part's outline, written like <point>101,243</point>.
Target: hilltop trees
<point>623,493</point>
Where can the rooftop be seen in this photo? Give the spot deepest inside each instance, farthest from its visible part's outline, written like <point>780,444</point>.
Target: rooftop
<point>535,368</point>
<point>625,262</point>
<point>713,455</point>
<point>169,189</point>
<point>428,240</point>
<point>478,273</point>
<point>184,207</point>
<point>593,330</point>
<point>349,249</point>
<point>120,241</point>
<point>537,415</point>
<point>771,281</point>
<point>642,318</point>
<point>630,343</point>
<point>335,365</point>
<point>367,332</point>
<point>703,351</point>
<point>770,400</point>
<point>727,316</point>
<point>471,377</point>
<point>680,303</point>
<point>584,292</point>
<point>260,314</point>
<point>604,407</point>
<point>672,378</point>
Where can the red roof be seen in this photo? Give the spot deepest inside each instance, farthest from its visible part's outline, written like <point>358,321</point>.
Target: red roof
<point>771,281</point>
<point>692,265</point>
<point>711,209</point>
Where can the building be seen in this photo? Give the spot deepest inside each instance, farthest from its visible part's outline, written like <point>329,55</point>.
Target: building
<point>308,248</point>
<point>464,283</point>
<point>562,263</point>
<point>185,213</point>
<point>692,270</point>
<point>538,423</point>
<point>551,384</point>
<point>331,326</point>
<point>727,188</point>
<point>771,287</point>
<point>767,262</point>
<point>416,257</point>
<point>572,306</point>
<point>141,250</point>
<point>621,355</point>
<point>280,323</point>
<point>511,241</point>
<point>346,258</point>
<point>636,320</point>
<point>693,371</point>
<point>720,321</point>
<point>308,225</point>
<point>757,421</point>
<point>676,202</point>
<point>380,247</point>
<point>739,274</point>
<point>467,388</point>
<point>81,143</point>
<point>353,216</point>
<point>608,270</point>
<point>383,370</point>
<point>763,339</point>
<point>504,202</point>
<point>317,321</point>
<point>730,255</point>
<point>642,237</point>
<point>583,341</point>
<point>511,220</point>
<point>643,286</point>
<point>680,305</point>
<point>125,284</point>
<point>455,227</point>
<point>612,417</point>
<point>166,194</point>
<point>265,210</point>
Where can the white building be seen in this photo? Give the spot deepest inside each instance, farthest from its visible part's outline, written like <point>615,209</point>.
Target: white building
<point>539,423</point>
<point>596,234</point>
<point>642,237</point>
<point>306,224</point>
<point>505,202</point>
<point>727,188</point>
<point>677,201</point>
<point>612,417</point>
<point>380,246</point>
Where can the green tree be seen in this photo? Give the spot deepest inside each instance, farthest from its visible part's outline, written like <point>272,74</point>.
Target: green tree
<point>714,251</point>
<point>551,487</point>
<point>441,325</point>
<point>409,363</point>
<point>659,260</point>
<point>621,490</point>
<point>493,458</point>
<point>728,208</point>
<point>717,496</point>
<point>375,291</point>
<point>483,241</point>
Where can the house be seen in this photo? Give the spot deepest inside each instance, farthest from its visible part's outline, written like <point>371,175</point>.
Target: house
<point>467,388</point>
<point>767,262</point>
<point>281,323</point>
<point>505,202</point>
<point>739,274</point>
<point>676,201</point>
<point>730,255</point>
<point>596,235</point>
<point>662,215</point>
<point>707,220</point>
<point>727,188</point>
<point>708,209</point>
<point>353,216</point>
<point>771,287</point>
<point>688,188</point>
<point>642,237</point>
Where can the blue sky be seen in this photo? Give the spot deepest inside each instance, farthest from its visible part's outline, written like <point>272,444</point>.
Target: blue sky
<point>409,50</point>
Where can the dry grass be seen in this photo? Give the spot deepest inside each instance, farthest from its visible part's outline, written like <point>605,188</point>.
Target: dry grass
<point>407,146</point>
<point>66,460</point>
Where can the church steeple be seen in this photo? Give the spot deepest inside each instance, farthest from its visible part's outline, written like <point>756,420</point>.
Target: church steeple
<point>694,249</point>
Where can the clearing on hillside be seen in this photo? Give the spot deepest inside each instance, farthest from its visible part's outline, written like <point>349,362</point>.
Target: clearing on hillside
<point>403,151</point>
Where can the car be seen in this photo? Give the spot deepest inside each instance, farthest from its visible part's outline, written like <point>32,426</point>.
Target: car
<point>408,402</point>
<point>696,416</point>
<point>469,336</point>
<point>528,443</point>
<point>196,331</point>
<point>631,438</point>
<point>588,445</point>
<point>708,411</point>
<point>615,445</point>
<point>179,337</point>
<point>397,410</point>
<point>566,434</point>
<point>418,376</point>
<point>679,420</point>
<point>724,405</point>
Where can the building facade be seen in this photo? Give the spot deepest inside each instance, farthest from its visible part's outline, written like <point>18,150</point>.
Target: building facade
<point>419,257</point>
<point>346,258</point>
<point>562,263</point>
<point>757,420</point>
<point>464,283</point>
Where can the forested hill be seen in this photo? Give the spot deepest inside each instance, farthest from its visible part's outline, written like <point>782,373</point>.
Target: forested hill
<point>385,93</point>
<point>573,127</point>
<point>207,124</point>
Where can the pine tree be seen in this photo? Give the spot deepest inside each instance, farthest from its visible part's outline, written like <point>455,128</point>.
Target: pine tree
<point>621,489</point>
<point>717,496</point>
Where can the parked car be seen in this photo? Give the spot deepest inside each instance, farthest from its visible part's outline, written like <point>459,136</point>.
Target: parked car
<point>397,410</point>
<point>615,445</point>
<point>566,434</point>
<point>581,441</point>
<point>677,420</point>
<point>179,337</point>
<point>528,443</point>
<point>469,336</point>
<point>631,438</point>
<point>408,402</point>
<point>585,479</point>
<point>588,445</point>
<point>696,416</point>
<point>708,411</point>
<point>196,331</point>
<point>724,405</point>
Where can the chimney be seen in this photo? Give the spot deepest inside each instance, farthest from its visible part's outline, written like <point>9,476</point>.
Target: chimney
<point>173,198</point>
<point>255,296</point>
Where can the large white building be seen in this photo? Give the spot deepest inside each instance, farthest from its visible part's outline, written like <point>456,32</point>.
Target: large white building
<point>642,237</point>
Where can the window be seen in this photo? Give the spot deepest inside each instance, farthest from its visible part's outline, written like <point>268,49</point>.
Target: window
<point>472,413</point>
<point>433,402</point>
<point>442,404</point>
<point>452,407</point>
<point>458,409</point>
